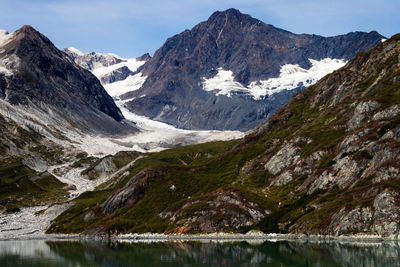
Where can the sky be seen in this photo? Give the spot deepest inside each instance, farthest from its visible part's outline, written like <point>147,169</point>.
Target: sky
<point>132,28</point>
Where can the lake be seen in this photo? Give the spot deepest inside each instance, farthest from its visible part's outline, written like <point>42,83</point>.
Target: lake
<point>196,253</point>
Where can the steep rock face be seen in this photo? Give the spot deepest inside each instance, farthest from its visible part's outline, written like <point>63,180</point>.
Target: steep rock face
<point>381,218</point>
<point>116,75</point>
<point>222,208</point>
<point>133,191</point>
<point>50,108</point>
<point>40,76</point>
<point>247,53</point>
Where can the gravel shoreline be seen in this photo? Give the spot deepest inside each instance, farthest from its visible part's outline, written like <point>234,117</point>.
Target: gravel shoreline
<point>253,235</point>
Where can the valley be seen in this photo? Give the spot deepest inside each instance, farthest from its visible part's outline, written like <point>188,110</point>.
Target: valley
<point>230,127</point>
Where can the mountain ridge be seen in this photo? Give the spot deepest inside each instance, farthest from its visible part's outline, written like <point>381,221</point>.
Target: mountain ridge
<point>253,51</point>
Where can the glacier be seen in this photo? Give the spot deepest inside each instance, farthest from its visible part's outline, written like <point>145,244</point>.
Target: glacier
<point>291,77</point>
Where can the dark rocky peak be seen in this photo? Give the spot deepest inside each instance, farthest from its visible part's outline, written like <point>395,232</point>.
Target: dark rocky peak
<point>144,57</point>
<point>36,53</point>
<point>229,16</point>
<point>27,35</point>
<point>248,48</point>
<point>29,30</point>
<point>232,19</point>
<point>44,75</point>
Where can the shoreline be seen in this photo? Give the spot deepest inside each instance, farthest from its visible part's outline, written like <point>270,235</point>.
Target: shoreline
<point>251,236</point>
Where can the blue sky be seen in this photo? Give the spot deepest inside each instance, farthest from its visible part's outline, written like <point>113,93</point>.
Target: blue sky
<point>131,28</point>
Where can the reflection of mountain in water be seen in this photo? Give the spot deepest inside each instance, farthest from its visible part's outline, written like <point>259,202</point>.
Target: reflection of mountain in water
<point>282,253</point>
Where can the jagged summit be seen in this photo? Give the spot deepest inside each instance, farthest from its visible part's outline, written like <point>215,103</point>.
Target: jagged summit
<point>230,14</point>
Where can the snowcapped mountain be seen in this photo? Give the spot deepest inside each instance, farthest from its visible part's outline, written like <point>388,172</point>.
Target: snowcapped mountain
<point>233,71</point>
<point>108,68</point>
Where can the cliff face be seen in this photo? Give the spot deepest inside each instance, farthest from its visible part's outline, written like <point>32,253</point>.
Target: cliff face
<point>218,74</point>
<point>326,163</point>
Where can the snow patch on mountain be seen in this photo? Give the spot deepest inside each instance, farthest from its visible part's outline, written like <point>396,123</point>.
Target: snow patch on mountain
<point>291,77</point>
<point>223,83</point>
<point>131,63</point>
<point>101,64</point>
<point>4,70</point>
<point>7,64</point>
<point>131,83</point>
<point>4,37</point>
<point>157,136</point>
<point>76,51</point>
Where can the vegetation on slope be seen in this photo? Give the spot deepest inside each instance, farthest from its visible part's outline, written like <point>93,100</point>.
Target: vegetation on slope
<point>20,186</point>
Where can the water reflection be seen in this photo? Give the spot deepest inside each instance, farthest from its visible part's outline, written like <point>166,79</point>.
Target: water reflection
<point>281,253</point>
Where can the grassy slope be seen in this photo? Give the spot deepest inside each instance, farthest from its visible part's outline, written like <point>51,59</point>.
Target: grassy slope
<point>21,186</point>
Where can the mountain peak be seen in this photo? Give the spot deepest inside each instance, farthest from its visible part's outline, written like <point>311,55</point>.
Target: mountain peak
<point>29,38</point>
<point>229,11</point>
<point>232,46</point>
<point>27,28</point>
<point>229,15</point>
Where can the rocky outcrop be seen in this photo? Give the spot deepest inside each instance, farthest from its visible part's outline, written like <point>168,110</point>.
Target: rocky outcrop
<point>389,113</point>
<point>144,57</point>
<point>223,208</point>
<point>381,218</point>
<point>116,75</point>
<point>102,168</point>
<point>288,155</point>
<point>361,113</point>
<point>91,60</point>
<point>133,191</point>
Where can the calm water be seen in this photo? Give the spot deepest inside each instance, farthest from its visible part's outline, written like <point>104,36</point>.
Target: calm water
<point>282,253</point>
